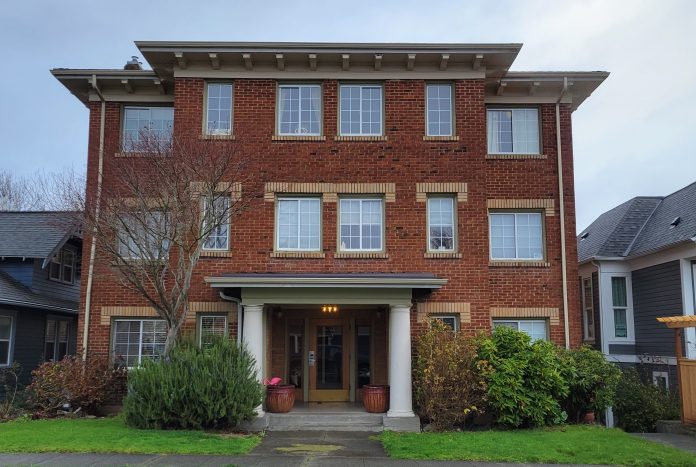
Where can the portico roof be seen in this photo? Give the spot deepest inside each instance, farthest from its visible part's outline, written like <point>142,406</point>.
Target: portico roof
<point>311,280</point>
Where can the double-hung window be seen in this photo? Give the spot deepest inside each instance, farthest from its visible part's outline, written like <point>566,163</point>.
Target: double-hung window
<point>441,227</point>
<point>138,339</point>
<point>218,112</point>
<point>299,109</point>
<point>451,321</point>
<point>516,236</point>
<point>513,131</point>
<point>143,236</point>
<point>361,224</point>
<point>439,112</point>
<point>62,266</point>
<point>619,301</point>
<point>5,339</point>
<point>588,309</point>
<point>146,123</point>
<point>216,222</point>
<point>361,110</point>
<point>298,224</point>
<point>535,328</point>
<point>56,340</point>
<point>211,327</point>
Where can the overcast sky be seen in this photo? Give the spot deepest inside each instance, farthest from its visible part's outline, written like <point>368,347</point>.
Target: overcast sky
<point>634,136</point>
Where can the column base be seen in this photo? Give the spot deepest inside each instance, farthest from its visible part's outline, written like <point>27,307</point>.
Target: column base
<point>409,423</point>
<point>260,423</point>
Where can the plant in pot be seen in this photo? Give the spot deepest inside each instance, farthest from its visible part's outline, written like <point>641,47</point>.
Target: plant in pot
<point>376,398</point>
<point>280,398</point>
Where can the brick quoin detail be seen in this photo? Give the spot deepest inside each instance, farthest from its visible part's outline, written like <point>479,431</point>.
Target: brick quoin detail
<point>403,159</point>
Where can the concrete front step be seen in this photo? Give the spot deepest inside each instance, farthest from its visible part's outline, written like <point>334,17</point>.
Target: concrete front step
<point>325,422</point>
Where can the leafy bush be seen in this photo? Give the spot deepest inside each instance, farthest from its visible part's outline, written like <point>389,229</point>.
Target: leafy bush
<point>640,405</point>
<point>592,381</point>
<point>526,381</point>
<point>449,381</point>
<point>213,387</point>
<point>71,385</point>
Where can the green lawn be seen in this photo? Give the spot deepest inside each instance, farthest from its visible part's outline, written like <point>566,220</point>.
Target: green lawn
<point>566,445</point>
<point>112,435</point>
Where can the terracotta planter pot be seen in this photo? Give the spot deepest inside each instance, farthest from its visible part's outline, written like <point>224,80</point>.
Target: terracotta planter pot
<point>589,417</point>
<point>376,398</point>
<point>280,398</point>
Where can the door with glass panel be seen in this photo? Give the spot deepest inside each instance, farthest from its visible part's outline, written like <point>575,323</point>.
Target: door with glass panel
<point>328,360</point>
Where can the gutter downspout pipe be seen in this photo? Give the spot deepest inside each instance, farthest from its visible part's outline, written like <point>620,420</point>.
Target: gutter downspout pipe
<point>224,296</point>
<point>93,247</point>
<point>564,259</point>
<point>604,346</point>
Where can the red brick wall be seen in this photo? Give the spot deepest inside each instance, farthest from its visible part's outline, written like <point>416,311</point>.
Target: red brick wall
<point>404,159</point>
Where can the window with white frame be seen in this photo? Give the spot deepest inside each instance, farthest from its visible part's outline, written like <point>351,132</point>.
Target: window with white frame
<point>218,108</point>
<point>441,228</point>
<point>211,327</point>
<point>588,309</point>
<point>535,328</point>
<point>62,266</point>
<point>439,109</point>
<point>298,224</point>
<point>216,221</point>
<point>513,131</point>
<point>361,224</point>
<point>451,321</point>
<point>299,109</point>
<point>141,123</point>
<point>361,110</point>
<point>143,236</point>
<point>138,339</point>
<point>661,380</point>
<point>619,299</point>
<point>56,339</point>
<point>516,236</point>
<point>5,339</point>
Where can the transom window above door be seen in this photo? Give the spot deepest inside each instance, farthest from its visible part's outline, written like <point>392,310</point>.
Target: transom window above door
<point>517,236</point>
<point>298,224</point>
<point>361,224</point>
<point>360,110</point>
<point>513,131</point>
<point>299,109</point>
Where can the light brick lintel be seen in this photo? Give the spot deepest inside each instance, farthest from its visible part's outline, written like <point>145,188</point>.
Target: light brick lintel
<point>108,312</point>
<point>463,309</point>
<point>531,312</point>
<point>330,191</point>
<point>458,188</point>
<point>546,204</point>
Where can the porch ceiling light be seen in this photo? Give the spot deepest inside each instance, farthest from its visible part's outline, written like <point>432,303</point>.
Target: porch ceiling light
<point>330,309</point>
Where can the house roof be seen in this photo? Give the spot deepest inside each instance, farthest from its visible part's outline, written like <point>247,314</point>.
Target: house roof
<point>35,234</point>
<point>640,226</point>
<point>13,292</point>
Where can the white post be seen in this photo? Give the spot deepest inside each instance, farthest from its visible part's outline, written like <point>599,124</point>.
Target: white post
<point>253,338</point>
<point>400,361</point>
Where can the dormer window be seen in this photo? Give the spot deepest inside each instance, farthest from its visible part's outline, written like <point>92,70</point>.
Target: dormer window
<point>62,267</point>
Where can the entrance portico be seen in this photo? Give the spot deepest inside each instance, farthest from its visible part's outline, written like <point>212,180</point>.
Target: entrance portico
<point>284,328</point>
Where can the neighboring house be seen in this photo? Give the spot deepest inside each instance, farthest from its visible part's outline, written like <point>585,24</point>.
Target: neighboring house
<point>400,181</point>
<point>39,287</point>
<point>637,262</point>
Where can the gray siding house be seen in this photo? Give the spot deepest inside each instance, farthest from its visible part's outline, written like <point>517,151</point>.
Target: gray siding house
<point>40,256</point>
<point>638,262</point>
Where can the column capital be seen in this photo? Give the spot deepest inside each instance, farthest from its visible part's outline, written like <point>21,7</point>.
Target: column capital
<point>398,307</point>
<point>252,308</point>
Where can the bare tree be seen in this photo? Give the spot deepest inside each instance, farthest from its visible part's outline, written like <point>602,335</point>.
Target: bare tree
<point>158,209</point>
<point>16,193</point>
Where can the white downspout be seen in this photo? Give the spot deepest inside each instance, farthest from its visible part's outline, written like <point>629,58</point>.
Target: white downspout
<point>93,247</point>
<point>224,296</point>
<point>564,260</point>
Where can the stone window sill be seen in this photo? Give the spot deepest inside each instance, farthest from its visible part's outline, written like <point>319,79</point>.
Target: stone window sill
<point>528,264</point>
<point>298,254</point>
<point>218,137</point>
<point>298,138</point>
<point>215,254</point>
<point>361,255</point>
<point>440,138</point>
<point>360,138</point>
<point>515,156</point>
<point>442,255</point>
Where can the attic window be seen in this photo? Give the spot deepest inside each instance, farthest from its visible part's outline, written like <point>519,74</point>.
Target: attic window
<point>675,222</point>
<point>584,235</point>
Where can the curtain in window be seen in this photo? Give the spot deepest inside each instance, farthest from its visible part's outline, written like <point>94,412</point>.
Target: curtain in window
<point>618,291</point>
<point>493,132</point>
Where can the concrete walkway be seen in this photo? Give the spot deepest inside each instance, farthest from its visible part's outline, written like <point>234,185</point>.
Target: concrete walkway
<point>281,448</point>
<point>685,442</point>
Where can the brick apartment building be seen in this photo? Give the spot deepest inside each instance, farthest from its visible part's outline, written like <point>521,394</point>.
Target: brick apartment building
<point>399,181</point>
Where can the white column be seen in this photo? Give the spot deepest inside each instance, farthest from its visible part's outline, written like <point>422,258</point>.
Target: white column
<point>400,361</point>
<point>253,337</point>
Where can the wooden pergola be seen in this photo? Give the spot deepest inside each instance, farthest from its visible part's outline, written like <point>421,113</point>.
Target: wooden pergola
<point>686,368</point>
